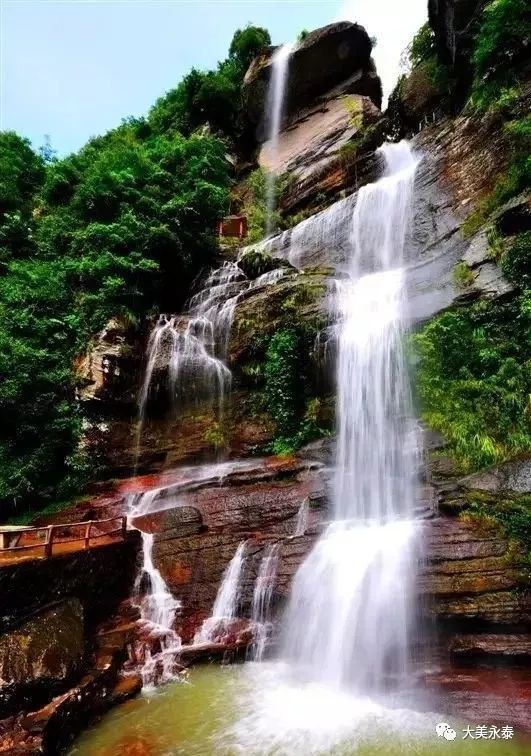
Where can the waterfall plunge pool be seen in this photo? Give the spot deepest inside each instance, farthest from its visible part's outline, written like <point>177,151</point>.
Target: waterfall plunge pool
<point>254,710</point>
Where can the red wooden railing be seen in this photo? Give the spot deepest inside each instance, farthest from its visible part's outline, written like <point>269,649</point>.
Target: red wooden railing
<point>86,534</point>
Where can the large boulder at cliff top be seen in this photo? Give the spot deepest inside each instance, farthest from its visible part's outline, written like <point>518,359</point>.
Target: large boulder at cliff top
<point>327,56</point>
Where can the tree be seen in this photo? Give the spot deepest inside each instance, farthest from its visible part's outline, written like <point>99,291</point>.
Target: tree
<point>21,174</point>
<point>211,97</point>
<point>247,43</point>
<point>123,226</point>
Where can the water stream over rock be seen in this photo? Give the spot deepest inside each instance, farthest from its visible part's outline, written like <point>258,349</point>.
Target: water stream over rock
<point>262,595</point>
<point>227,601</point>
<point>348,618</point>
<point>275,111</point>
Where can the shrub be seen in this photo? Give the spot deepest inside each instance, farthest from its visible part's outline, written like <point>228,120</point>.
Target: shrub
<point>474,380</point>
<point>213,97</point>
<point>462,275</point>
<point>286,392</point>
<point>422,46</point>
<point>516,262</point>
<point>501,46</point>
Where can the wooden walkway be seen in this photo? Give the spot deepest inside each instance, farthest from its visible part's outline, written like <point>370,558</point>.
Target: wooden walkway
<point>24,543</point>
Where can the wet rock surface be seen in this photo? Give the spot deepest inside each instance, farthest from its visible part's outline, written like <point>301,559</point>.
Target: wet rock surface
<point>479,695</point>
<point>98,578</point>
<point>41,655</point>
<point>326,151</point>
<point>459,164</point>
<point>50,729</point>
<point>256,511</point>
<point>107,372</point>
<point>473,577</point>
<point>48,646</point>
<point>489,645</point>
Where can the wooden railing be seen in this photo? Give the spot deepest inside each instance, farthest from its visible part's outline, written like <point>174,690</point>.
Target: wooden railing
<point>20,541</point>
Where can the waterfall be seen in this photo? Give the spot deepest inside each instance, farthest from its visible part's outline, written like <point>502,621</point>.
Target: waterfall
<point>158,607</point>
<point>274,115</point>
<point>157,615</point>
<point>193,348</point>
<point>227,600</point>
<point>348,616</point>
<point>262,595</point>
<point>302,518</point>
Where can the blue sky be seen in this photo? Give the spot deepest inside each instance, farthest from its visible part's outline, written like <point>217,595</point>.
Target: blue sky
<point>74,68</point>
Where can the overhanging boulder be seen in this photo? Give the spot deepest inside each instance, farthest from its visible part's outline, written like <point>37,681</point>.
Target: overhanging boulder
<point>324,59</point>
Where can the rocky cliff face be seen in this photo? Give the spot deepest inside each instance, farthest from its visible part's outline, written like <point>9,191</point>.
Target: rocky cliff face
<point>454,23</point>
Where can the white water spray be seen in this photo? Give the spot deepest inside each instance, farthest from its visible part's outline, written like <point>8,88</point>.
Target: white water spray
<point>275,112</point>
<point>158,608</point>
<point>192,349</point>
<point>262,595</point>
<point>227,600</point>
<point>349,614</point>
<point>302,518</point>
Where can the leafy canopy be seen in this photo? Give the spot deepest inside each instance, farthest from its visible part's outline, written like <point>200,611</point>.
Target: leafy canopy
<point>474,379</point>
<point>119,228</point>
<point>211,98</point>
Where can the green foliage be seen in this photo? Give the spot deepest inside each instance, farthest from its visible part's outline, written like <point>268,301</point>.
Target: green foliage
<point>216,437</point>
<point>496,244</point>
<point>247,43</point>
<point>516,262</point>
<point>21,175</point>
<point>286,392</point>
<point>512,514</point>
<point>422,46</point>
<point>516,179</point>
<point>282,370</point>
<point>256,262</point>
<point>211,98</point>
<point>501,47</point>
<point>120,227</point>
<point>474,380</point>
<point>354,108</point>
<point>255,205</point>
<point>302,35</point>
<point>462,275</point>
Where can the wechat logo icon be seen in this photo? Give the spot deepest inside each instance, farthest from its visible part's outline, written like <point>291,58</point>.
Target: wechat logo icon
<point>444,730</point>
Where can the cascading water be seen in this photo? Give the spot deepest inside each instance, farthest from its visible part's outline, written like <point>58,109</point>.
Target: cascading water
<point>227,600</point>
<point>193,348</point>
<point>275,112</point>
<point>348,617</point>
<point>302,518</point>
<point>262,595</point>
<point>158,607</point>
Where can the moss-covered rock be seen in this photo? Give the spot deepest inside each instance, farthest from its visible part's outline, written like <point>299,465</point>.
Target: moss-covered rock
<point>41,656</point>
<point>49,645</point>
<point>297,299</point>
<point>257,262</point>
